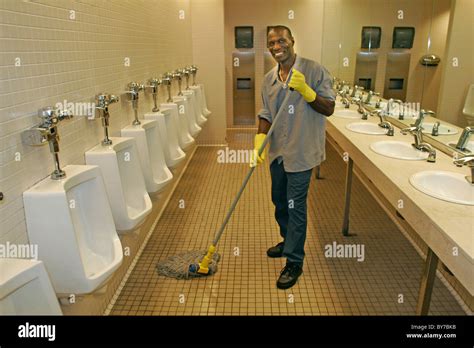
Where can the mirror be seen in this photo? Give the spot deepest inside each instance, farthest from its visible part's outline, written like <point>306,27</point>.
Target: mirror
<point>440,29</point>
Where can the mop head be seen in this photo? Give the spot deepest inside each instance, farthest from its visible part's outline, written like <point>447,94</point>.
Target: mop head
<point>184,266</point>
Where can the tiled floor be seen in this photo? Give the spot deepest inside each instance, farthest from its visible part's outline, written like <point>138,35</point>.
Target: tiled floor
<point>245,282</point>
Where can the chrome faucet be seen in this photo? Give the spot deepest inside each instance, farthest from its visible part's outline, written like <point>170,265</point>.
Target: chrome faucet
<point>401,115</point>
<point>467,160</point>
<point>47,132</point>
<point>435,130</point>
<point>421,117</point>
<point>377,103</point>
<point>345,101</point>
<point>134,89</point>
<point>361,110</point>
<point>419,144</point>
<point>355,89</point>
<point>464,139</point>
<point>384,123</point>
<point>153,84</point>
<point>369,97</point>
<point>102,102</point>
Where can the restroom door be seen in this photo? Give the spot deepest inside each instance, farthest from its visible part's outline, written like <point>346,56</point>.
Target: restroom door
<point>243,81</point>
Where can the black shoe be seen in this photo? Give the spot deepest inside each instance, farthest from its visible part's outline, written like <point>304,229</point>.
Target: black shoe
<point>276,251</point>
<point>289,275</point>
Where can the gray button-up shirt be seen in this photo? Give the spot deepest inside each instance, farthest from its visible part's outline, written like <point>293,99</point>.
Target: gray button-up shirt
<point>299,136</point>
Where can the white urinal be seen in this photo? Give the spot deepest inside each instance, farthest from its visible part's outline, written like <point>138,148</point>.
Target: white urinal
<point>152,160</point>
<point>193,94</point>
<point>123,177</point>
<point>186,111</point>
<point>25,289</point>
<point>163,134</point>
<point>71,223</point>
<point>168,124</point>
<point>198,92</point>
<point>185,139</point>
<point>205,110</point>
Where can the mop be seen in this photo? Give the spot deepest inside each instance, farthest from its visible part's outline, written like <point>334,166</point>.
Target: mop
<point>192,264</point>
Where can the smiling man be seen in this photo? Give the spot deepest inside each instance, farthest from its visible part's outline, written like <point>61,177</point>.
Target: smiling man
<point>297,144</point>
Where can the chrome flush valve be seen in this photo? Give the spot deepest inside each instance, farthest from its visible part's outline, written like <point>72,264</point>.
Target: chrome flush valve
<point>193,69</point>
<point>152,86</point>
<point>177,75</point>
<point>47,132</point>
<point>102,102</point>
<point>187,73</point>
<point>134,89</point>
<point>166,80</point>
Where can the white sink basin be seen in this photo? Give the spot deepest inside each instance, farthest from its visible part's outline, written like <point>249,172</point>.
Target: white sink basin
<point>346,113</point>
<point>447,186</point>
<point>442,129</point>
<point>366,128</point>
<point>469,146</point>
<point>399,150</point>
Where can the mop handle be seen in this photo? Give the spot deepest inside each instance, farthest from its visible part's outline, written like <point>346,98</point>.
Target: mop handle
<point>247,178</point>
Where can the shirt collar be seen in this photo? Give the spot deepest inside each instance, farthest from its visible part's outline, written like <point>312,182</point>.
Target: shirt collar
<point>277,67</point>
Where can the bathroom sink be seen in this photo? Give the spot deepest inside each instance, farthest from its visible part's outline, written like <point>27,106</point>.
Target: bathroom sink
<point>447,186</point>
<point>366,128</point>
<point>398,149</point>
<point>469,145</point>
<point>346,113</point>
<point>442,129</point>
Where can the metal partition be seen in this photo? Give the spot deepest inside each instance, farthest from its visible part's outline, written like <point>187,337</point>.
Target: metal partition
<point>366,69</point>
<point>243,81</point>
<point>396,75</point>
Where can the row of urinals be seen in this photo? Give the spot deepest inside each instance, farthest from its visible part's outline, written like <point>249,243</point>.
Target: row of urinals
<point>74,221</point>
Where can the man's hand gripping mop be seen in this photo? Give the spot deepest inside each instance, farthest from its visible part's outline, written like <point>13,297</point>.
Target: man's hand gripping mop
<point>193,264</point>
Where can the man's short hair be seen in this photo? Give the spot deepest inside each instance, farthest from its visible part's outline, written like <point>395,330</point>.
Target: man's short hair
<point>280,27</point>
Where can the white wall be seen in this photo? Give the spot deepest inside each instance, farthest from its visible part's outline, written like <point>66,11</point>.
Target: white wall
<point>456,79</point>
<point>208,55</point>
<point>74,60</point>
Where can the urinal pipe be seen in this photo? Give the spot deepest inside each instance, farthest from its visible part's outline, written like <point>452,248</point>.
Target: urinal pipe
<point>153,85</point>
<point>49,127</point>
<point>58,172</point>
<point>136,122</point>
<point>186,73</point>
<point>155,94</point>
<point>194,72</point>
<point>177,76</point>
<point>167,81</point>
<point>105,124</point>
<point>180,92</point>
<point>134,91</point>
<point>168,87</point>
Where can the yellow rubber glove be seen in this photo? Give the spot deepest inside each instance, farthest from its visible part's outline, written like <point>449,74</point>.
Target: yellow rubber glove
<point>258,141</point>
<point>299,84</point>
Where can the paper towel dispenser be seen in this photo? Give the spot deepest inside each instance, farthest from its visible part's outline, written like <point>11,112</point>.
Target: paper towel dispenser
<point>403,37</point>
<point>371,37</point>
<point>243,37</point>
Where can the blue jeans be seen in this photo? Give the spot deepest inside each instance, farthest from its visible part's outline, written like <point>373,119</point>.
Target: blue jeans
<point>289,193</point>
